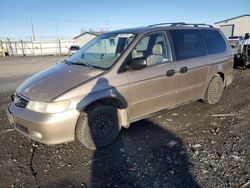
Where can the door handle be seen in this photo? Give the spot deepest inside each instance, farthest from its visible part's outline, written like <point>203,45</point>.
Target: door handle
<point>170,72</point>
<point>183,69</point>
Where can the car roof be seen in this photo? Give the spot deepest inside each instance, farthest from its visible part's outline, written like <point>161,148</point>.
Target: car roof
<point>130,30</point>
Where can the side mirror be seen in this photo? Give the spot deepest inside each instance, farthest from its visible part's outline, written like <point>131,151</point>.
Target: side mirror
<point>138,63</point>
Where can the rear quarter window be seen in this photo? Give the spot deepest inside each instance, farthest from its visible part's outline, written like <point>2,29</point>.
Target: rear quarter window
<point>188,43</point>
<point>214,41</point>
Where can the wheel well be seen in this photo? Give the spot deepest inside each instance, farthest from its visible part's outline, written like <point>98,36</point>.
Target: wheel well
<point>221,75</point>
<point>121,106</point>
<point>108,101</point>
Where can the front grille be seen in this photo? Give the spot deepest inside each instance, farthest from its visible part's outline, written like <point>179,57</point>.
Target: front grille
<point>20,101</point>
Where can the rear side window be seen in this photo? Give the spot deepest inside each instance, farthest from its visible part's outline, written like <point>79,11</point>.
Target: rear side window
<point>188,43</point>
<point>214,41</point>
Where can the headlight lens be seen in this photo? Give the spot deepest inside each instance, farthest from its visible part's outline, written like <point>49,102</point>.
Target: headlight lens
<point>53,107</point>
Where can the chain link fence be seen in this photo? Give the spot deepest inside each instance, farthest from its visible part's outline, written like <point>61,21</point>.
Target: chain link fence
<point>30,48</point>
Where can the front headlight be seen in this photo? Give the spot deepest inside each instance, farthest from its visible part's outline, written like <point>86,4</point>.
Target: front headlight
<point>53,107</point>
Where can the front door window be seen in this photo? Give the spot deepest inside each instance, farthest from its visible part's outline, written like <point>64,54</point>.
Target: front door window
<point>154,48</point>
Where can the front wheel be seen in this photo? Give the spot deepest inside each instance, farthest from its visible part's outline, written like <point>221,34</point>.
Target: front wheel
<point>214,90</point>
<point>98,127</point>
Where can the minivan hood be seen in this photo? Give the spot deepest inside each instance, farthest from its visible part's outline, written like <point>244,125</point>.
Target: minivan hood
<point>50,83</point>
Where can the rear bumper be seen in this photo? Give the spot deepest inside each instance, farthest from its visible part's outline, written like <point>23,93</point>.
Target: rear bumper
<point>45,128</point>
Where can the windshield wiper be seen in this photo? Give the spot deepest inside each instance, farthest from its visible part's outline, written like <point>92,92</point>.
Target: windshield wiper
<point>67,62</point>
<point>97,67</point>
<point>82,64</point>
<point>74,63</point>
<point>87,65</point>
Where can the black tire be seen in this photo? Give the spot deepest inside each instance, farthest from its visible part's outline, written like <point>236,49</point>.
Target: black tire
<point>98,127</point>
<point>214,90</point>
<point>244,62</point>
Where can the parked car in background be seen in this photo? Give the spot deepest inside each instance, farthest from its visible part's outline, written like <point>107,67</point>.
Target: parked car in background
<point>121,77</point>
<point>73,49</point>
<point>236,43</point>
<point>241,49</point>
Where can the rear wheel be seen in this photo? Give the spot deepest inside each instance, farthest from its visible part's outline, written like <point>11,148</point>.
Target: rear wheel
<point>214,90</point>
<point>98,127</point>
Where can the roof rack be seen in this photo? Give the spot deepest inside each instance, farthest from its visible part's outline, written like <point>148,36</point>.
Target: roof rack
<point>198,24</point>
<point>182,24</point>
<point>170,24</point>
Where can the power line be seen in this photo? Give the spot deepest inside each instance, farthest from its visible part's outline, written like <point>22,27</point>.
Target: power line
<point>84,20</point>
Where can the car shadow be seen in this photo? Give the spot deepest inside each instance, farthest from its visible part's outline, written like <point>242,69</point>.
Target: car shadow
<point>145,155</point>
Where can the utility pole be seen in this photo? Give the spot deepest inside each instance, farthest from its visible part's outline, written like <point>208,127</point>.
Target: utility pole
<point>59,42</point>
<point>106,25</point>
<point>57,31</point>
<point>32,28</point>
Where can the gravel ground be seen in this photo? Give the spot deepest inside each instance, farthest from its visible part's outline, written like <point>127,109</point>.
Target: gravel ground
<point>14,70</point>
<point>190,146</point>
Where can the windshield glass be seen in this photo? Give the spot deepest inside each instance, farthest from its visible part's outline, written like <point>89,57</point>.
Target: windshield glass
<point>103,51</point>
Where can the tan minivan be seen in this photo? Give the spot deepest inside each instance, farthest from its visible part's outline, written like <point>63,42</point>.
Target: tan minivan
<point>121,77</point>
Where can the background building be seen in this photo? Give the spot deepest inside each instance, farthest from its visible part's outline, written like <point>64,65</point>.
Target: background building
<point>85,37</point>
<point>237,26</point>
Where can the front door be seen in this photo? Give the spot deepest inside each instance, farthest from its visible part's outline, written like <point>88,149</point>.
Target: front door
<point>152,88</point>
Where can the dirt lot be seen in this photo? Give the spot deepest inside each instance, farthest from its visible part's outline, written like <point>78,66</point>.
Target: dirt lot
<point>183,147</point>
<point>14,70</point>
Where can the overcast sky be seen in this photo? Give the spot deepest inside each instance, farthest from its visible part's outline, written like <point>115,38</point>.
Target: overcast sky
<point>66,18</point>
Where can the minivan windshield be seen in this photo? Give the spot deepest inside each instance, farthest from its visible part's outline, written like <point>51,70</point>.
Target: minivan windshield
<point>102,51</point>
